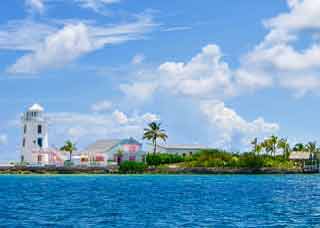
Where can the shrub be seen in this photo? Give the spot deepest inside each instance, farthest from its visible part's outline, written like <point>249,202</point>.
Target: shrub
<point>132,167</point>
<point>160,159</point>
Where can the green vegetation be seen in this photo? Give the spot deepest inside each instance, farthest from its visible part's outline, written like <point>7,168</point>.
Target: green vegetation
<point>153,133</point>
<point>222,159</point>
<point>132,167</point>
<point>69,147</point>
<point>272,152</point>
<point>160,159</point>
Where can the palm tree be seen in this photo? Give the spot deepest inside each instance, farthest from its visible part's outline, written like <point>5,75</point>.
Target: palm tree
<point>284,145</point>
<point>266,145</point>
<point>255,144</point>
<point>69,147</point>
<point>154,132</point>
<point>119,156</point>
<point>299,147</point>
<point>311,147</point>
<point>273,140</point>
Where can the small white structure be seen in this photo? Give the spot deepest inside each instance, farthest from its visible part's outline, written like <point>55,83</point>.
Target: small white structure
<point>180,149</point>
<point>35,133</point>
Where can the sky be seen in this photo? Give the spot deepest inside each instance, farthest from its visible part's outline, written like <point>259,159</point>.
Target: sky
<point>216,73</point>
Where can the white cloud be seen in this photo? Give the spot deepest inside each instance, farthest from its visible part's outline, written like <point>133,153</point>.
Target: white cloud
<point>301,85</point>
<point>150,117</point>
<point>205,74</point>
<point>58,49</point>
<point>73,41</point>
<point>120,117</point>
<point>231,128</point>
<point>36,5</point>
<point>137,59</point>
<point>304,14</point>
<point>96,5</point>
<point>25,35</point>
<point>3,139</point>
<point>138,91</point>
<point>278,55</point>
<point>100,106</point>
<point>90,126</point>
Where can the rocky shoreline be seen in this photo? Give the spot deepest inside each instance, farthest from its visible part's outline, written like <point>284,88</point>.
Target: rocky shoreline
<point>113,170</point>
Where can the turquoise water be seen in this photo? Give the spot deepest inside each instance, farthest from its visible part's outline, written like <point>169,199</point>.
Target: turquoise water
<point>160,201</point>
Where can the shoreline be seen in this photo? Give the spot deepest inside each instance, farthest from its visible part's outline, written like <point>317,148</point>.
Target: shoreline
<point>164,171</point>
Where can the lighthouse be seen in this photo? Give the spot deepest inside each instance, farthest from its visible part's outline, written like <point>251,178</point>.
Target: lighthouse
<point>34,133</point>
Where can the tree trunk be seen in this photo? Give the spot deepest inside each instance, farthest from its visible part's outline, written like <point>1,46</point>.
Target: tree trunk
<point>154,146</point>
<point>70,155</point>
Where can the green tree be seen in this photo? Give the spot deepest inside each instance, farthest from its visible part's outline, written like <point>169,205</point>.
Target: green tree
<point>274,141</point>
<point>254,144</point>
<point>119,156</point>
<point>266,145</point>
<point>153,133</point>
<point>284,146</point>
<point>299,147</point>
<point>311,147</point>
<point>69,147</point>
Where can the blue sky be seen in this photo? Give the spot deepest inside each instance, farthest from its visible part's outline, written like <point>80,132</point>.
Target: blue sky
<point>217,73</point>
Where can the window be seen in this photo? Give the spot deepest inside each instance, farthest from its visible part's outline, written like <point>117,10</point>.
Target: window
<point>40,142</point>
<point>39,129</point>
<point>25,129</point>
<point>132,158</point>
<point>22,158</point>
<point>24,142</point>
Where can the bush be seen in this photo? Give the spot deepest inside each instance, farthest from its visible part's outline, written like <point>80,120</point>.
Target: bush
<point>250,160</point>
<point>160,159</point>
<point>132,167</point>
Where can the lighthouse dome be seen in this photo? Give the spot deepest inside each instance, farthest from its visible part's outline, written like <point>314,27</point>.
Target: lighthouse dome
<point>35,108</point>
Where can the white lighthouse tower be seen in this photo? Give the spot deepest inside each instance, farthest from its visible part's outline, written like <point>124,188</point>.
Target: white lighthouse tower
<point>35,133</point>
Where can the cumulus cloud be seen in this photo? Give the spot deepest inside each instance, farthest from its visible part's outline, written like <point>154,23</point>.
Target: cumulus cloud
<point>232,128</point>
<point>84,126</point>
<point>138,91</point>
<point>100,106</point>
<point>301,85</point>
<point>206,75</point>
<point>64,45</point>
<point>278,56</point>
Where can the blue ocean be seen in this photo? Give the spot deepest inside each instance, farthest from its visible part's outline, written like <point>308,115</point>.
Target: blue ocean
<point>160,201</point>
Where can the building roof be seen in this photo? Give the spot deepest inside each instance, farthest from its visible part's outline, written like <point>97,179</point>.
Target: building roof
<point>184,146</point>
<point>102,145</point>
<point>300,155</point>
<point>36,108</point>
<point>130,141</point>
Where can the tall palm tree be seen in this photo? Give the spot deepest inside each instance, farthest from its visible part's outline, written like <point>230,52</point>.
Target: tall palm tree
<point>69,147</point>
<point>311,147</point>
<point>255,144</point>
<point>267,146</point>
<point>273,140</point>
<point>284,145</point>
<point>154,132</point>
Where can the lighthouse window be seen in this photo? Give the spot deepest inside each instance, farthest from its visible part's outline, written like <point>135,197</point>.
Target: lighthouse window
<point>25,129</point>
<point>40,143</point>
<point>24,142</point>
<point>39,129</point>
